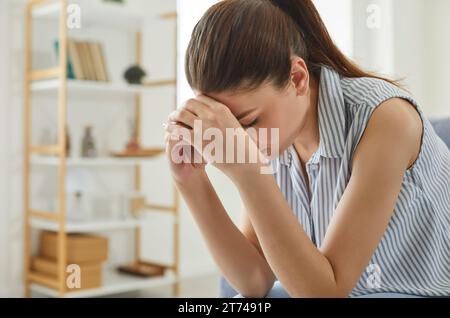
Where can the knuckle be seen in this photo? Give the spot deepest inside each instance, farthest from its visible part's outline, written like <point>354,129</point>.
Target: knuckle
<point>189,106</point>
<point>182,113</point>
<point>222,110</point>
<point>190,102</point>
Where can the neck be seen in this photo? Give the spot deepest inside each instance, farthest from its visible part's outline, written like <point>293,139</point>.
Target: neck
<point>308,138</point>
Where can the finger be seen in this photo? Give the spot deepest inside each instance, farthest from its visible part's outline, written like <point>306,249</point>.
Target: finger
<point>211,102</point>
<point>198,108</point>
<point>178,133</point>
<point>173,125</point>
<point>174,132</point>
<point>185,137</point>
<point>183,116</point>
<point>201,110</point>
<point>182,151</point>
<point>177,123</point>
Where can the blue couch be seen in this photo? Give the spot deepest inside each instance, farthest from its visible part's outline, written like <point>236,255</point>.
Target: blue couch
<point>442,128</point>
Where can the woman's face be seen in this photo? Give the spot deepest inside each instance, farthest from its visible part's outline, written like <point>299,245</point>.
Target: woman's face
<point>269,108</point>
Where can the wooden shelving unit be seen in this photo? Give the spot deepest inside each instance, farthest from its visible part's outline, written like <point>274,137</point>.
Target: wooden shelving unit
<point>54,81</point>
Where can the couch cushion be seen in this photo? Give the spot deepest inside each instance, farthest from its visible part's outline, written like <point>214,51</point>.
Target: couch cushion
<point>226,291</point>
<point>442,128</point>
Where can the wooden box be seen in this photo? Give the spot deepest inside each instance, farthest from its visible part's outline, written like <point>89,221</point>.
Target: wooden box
<point>90,273</point>
<point>80,248</point>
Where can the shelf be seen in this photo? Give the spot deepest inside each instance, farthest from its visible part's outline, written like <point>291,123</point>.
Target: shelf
<point>87,162</point>
<point>87,227</point>
<point>74,86</point>
<point>99,225</point>
<point>47,10</point>
<point>102,14</point>
<point>113,283</point>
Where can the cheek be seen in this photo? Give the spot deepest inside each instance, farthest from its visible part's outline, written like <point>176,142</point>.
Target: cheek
<point>274,131</point>
<point>287,119</point>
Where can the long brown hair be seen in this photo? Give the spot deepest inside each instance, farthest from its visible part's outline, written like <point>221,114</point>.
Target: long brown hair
<point>241,44</point>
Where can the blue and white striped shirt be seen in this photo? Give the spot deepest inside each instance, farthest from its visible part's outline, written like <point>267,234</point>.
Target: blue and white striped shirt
<point>413,256</point>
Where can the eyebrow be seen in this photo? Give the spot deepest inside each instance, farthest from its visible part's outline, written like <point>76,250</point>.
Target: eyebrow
<point>244,114</point>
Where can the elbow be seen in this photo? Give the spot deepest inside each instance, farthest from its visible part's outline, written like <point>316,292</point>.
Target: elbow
<point>258,285</point>
<point>321,294</point>
<point>328,291</point>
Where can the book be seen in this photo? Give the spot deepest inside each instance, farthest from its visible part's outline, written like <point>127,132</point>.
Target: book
<point>103,60</point>
<point>70,72</point>
<point>87,61</point>
<point>84,67</point>
<point>99,62</point>
<point>75,57</point>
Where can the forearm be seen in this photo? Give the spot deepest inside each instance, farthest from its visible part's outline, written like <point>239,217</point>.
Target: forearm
<point>297,263</point>
<point>238,259</point>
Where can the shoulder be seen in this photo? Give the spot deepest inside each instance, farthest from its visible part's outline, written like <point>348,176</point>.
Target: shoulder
<point>370,92</point>
<point>399,117</point>
<point>394,128</point>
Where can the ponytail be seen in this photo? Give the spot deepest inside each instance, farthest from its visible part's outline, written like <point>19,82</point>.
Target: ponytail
<point>320,48</point>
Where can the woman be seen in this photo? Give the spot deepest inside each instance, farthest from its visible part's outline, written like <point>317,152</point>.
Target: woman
<point>360,200</point>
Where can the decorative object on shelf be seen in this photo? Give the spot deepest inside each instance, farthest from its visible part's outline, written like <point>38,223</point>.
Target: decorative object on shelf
<point>115,1</point>
<point>77,207</point>
<point>141,153</point>
<point>133,149</point>
<point>133,143</point>
<point>68,142</point>
<point>142,269</point>
<point>134,74</point>
<point>88,149</point>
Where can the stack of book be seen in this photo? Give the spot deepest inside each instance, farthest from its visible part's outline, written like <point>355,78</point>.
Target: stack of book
<point>86,61</point>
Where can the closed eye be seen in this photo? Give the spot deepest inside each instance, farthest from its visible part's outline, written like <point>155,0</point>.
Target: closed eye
<point>253,123</point>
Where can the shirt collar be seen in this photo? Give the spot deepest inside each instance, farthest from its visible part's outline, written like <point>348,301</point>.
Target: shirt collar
<point>331,110</point>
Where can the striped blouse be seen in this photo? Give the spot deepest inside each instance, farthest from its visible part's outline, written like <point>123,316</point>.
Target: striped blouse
<point>413,256</point>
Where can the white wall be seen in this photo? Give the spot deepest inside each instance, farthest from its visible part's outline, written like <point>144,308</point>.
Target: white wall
<point>338,18</point>
<point>373,43</point>
<point>437,55</point>
<point>409,34</point>
<point>412,44</point>
<point>4,214</point>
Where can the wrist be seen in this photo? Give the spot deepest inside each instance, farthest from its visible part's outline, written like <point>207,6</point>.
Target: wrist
<point>193,181</point>
<point>242,173</point>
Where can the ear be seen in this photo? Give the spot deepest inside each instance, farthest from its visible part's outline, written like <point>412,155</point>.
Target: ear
<point>299,75</point>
